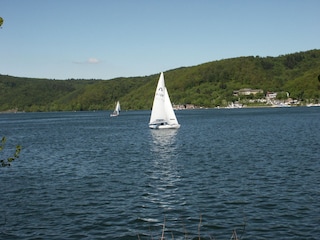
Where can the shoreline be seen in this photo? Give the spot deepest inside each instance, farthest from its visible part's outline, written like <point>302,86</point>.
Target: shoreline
<point>176,109</point>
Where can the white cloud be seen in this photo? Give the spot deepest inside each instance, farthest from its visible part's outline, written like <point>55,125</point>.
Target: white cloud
<point>88,61</point>
<point>93,60</point>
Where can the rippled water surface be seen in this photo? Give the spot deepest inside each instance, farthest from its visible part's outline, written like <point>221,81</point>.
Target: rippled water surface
<point>85,175</point>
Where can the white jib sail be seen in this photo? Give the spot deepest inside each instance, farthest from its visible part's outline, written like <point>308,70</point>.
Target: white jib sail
<point>118,109</point>
<point>171,116</point>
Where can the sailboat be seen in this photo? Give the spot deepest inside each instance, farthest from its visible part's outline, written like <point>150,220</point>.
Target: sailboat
<point>116,111</point>
<point>162,115</point>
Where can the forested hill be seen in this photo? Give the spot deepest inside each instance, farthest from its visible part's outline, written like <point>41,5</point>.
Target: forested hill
<point>210,84</point>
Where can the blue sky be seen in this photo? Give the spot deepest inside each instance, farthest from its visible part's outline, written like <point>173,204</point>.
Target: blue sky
<point>104,39</point>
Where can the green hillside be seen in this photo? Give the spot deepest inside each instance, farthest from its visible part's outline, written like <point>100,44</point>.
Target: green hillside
<point>209,85</point>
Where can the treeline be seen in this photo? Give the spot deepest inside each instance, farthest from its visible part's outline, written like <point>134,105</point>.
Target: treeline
<point>209,85</point>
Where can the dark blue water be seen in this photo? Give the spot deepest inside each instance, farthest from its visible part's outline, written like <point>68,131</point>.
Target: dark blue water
<point>85,175</point>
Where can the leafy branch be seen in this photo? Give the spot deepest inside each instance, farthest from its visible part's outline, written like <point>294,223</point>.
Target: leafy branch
<point>7,161</point>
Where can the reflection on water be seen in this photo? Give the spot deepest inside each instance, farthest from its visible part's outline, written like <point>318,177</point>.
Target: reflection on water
<point>164,177</point>
<point>163,141</point>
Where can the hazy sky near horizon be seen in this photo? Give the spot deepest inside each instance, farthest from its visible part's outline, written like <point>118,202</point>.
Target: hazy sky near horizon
<point>105,39</point>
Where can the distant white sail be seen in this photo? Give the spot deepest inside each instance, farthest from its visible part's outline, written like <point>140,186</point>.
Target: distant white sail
<point>162,115</point>
<point>116,111</point>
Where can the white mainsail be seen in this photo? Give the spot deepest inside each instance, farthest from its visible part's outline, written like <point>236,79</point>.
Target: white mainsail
<point>116,111</point>
<point>162,115</point>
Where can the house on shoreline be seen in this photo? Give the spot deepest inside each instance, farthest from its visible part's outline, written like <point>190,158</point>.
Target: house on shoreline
<point>247,92</point>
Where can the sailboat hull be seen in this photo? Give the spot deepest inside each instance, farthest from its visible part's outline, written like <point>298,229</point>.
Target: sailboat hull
<point>114,114</point>
<point>164,126</point>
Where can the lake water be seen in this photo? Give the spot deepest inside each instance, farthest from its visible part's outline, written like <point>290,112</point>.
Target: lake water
<point>84,175</point>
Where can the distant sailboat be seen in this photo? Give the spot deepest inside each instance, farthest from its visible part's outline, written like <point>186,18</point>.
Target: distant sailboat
<point>116,111</point>
<point>162,115</point>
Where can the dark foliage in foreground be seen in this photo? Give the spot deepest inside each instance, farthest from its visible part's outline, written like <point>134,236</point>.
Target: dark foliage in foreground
<point>6,162</point>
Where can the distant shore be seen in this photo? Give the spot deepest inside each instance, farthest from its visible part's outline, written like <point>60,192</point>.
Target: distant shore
<point>196,107</point>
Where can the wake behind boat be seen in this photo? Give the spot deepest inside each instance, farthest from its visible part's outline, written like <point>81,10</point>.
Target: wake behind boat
<point>116,111</point>
<point>162,115</point>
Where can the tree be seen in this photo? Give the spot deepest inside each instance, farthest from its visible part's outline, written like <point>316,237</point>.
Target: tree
<point>7,161</point>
